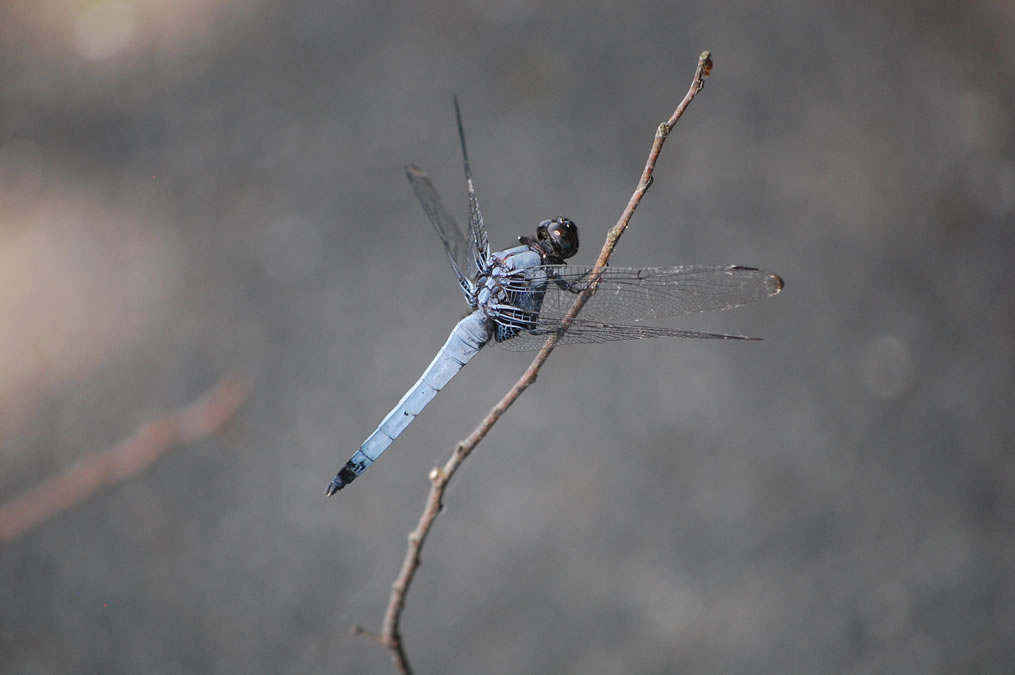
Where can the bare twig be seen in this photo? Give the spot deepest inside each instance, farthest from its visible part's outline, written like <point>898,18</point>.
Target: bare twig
<point>207,415</point>
<point>390,635</point>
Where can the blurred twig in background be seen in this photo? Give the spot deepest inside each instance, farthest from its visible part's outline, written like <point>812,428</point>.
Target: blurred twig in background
<point>390,635</point>
<point>206,416</point>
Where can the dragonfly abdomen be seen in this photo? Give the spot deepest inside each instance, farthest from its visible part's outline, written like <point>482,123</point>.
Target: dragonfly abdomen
<point>465,341</point>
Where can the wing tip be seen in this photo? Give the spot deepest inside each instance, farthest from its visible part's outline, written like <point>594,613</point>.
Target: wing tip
<point>777,283</point>
<point>773,280</point>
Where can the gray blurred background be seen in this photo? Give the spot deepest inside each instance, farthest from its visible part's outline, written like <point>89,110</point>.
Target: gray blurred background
<point>194,188</point>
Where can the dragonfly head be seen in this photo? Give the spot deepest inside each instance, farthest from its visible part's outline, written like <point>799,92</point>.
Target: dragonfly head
<point>558,238</point>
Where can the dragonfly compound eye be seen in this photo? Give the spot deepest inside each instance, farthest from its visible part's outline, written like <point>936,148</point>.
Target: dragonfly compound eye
<point>564,235</point>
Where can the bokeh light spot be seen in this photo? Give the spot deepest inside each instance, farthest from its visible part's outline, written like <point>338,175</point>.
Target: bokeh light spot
<point>103,29</point>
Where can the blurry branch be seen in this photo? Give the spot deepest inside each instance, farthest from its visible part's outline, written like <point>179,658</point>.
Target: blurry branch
<point>390,635</point>
<point>206,416</point>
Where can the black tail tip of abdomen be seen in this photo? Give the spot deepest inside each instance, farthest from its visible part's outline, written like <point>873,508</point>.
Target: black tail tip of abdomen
<point>344,477</point>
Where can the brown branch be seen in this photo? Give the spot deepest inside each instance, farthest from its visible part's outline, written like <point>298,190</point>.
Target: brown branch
<point>206,416</point>
<point>390,635</point>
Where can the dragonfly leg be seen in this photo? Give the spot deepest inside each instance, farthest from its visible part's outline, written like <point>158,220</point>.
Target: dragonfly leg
<point>574,286</point>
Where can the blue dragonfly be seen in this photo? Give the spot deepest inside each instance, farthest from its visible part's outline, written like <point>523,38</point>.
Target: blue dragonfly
<point>519,296</point>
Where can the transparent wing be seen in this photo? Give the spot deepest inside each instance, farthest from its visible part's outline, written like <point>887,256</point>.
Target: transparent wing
<point>591,332</point>
<point>480,247</point>
<point>469,254</point>
<point>628,297</point>
<point>455,243</point>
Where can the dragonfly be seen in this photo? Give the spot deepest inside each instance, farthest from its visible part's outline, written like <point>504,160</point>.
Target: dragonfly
<point>518,298</point>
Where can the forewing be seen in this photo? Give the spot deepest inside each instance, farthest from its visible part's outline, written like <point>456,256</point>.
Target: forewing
<point>480,245</point>
<point>455,243</point>
<point>633,296</point>
<point>627,298</point>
